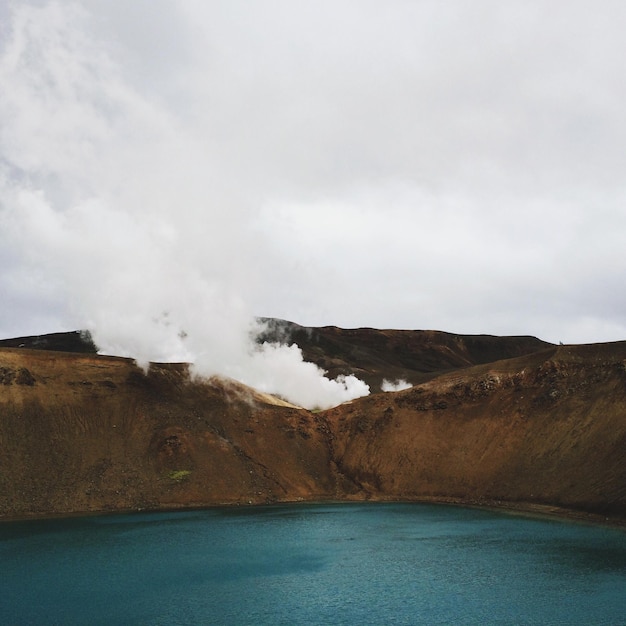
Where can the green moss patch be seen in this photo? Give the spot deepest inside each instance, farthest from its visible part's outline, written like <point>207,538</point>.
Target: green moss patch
<point>179,475</point>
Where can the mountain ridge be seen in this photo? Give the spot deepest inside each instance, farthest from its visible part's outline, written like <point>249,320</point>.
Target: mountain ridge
<point>541,431</point>
<point>367,353</point>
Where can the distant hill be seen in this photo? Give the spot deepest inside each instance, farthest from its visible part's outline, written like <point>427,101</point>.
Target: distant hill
<point>371,355</point>
<point>412,355</point>
<point>75,341</point>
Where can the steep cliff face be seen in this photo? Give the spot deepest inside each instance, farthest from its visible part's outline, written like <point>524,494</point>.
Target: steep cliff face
<point>546,429</point>
<point>89,433</point>
<point>85,433</point>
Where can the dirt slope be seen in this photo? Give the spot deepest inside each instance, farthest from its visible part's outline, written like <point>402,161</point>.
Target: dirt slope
<point>83,432</point>
<point>90,433</point>
<point>547,429</point>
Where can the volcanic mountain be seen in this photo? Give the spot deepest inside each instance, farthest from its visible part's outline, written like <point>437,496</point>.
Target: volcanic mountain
<point>499,421</point>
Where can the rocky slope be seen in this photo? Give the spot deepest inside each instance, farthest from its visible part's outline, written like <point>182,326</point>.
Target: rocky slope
<point>91,433</point>
<point>81,432</point>
<point>549,429</point>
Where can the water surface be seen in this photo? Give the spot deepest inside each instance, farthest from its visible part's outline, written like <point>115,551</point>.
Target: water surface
<point>312,564</point>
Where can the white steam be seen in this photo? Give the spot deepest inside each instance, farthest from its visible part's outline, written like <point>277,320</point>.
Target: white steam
<point>280,370</point>
<point>398,385</point>
<point>119,217</point>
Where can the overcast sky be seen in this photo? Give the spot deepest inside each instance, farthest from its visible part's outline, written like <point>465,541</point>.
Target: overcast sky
<point>178,165</point>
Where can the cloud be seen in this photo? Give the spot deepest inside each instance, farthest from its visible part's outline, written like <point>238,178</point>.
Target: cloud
<point>186,166</point>
<point>110,202</point>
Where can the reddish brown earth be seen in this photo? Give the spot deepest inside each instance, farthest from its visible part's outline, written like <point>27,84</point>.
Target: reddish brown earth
<point>81,433</point>
<point>548,429</point>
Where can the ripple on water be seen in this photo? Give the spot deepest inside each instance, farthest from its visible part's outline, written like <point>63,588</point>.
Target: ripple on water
<point>313,564</point>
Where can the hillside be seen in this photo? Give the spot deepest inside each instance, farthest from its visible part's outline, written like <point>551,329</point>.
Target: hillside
<point>82,432</point>
<point>370,354</point>
<point>75,341</point>
<point>549,428</point>
<point>412,355</point>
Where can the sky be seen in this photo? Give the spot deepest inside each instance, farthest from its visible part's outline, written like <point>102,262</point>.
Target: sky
<point>170,169</point>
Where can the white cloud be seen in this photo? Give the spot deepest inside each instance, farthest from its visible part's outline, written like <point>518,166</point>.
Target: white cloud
<point>131,225</point>
<point>412,165</point>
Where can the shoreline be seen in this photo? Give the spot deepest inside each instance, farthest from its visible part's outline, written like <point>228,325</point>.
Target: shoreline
<point>523,509</point>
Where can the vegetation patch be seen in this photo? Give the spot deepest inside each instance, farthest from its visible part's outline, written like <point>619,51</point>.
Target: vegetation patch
<point>179,475</point>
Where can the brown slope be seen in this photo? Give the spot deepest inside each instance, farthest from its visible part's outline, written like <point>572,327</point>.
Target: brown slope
<point>549,428</point>
<point>87,433</point>
<point>412,355</point>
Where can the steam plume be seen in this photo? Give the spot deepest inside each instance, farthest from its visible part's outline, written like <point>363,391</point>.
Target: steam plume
<point>121,218</point>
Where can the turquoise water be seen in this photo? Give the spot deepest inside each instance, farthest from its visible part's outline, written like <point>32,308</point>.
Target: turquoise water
<point>312,564</point>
